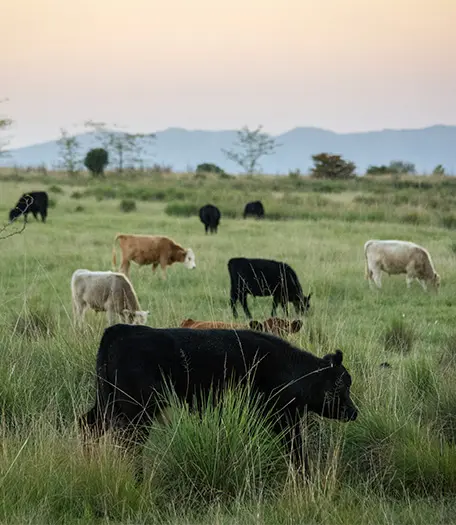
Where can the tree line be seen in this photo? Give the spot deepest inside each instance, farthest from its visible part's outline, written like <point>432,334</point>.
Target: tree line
<point>122,149</point>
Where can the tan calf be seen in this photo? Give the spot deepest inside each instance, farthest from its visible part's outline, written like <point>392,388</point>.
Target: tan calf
<point>151,249</point>
<point>273,325</point>
<point>396,257</point>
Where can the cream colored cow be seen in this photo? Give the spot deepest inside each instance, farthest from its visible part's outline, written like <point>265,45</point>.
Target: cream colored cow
<point>396,257</point>
<point>109,292</point>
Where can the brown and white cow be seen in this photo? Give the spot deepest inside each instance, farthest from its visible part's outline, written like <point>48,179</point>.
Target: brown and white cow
<point>151,249</point>
<point>109,292</point>
<point>273,325</point>
<point>396,257</point>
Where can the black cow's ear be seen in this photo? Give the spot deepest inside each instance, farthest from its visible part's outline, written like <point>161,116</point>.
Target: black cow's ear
<point>334,359</point>
<point>338,356</point>
<point>256,325</point>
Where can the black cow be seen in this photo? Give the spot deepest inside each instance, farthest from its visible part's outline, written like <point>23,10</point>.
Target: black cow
<point>34,202</point>
<point>137,364</point>
<point>210,217</point>
<point>254,209</point>
<point>262,278</point>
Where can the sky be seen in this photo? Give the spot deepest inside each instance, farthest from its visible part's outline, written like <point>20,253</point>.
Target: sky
<point>146,65</point>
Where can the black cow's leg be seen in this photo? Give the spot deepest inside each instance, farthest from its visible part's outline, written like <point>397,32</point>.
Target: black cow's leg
<point>35,214</point>
<point>233,301</point>
<point>285,306</point>
<point>133,439</point>
<point>292,435</point>
<point>275,303</point>
<point>206,228</point>
<point>43,215</point>
<point>243,301</point>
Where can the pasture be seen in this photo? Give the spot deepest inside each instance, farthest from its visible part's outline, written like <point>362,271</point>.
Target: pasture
<point>395,464</point>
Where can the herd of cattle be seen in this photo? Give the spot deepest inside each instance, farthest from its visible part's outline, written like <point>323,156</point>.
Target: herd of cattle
<point>136,363</point>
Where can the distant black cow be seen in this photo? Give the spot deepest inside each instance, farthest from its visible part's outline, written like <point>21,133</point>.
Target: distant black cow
<point>34,202</point>
<point>210,217</point>
<point>255,209</point>
<point>137,364</point>
<point>262,278</point>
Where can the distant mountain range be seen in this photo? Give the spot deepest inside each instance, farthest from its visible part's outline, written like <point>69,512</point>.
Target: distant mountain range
<point>184,149</point>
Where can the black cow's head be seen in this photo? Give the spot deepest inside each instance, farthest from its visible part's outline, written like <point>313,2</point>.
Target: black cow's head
<point>302,303</point>
<point>14,213</point>
<point>331,390</point>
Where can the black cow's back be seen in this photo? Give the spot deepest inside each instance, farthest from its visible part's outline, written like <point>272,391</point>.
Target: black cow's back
<point>261,277</point>
<point>210,217</point>
<point>254,208</point>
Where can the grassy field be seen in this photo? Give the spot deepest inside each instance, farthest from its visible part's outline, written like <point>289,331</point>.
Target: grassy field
<point>395,464</point>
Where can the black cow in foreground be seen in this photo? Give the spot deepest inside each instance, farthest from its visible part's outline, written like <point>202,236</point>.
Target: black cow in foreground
<point>255,209</point>
<point>33,202</point>
<point>210,217</point>
<point>137,364</point>
<point>262,278</point>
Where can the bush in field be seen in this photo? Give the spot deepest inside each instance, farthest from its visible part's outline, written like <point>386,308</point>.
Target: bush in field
<point>207,167</point>
<point>377,170</point>
<point>332,167</point>
<point>55,189</point>
<point>96,161</point>
<point>438,170</point>
<point>127,205</point>
<point>401,167</point>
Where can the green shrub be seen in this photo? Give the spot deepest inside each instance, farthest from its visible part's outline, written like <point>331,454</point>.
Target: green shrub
<point>127,205</point>
<point>76,195</point>
<point>55,189</point>
<point>448,221</point>
<point>182,209</point>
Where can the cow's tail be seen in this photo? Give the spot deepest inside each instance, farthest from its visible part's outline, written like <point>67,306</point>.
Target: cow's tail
<point>114,255</point>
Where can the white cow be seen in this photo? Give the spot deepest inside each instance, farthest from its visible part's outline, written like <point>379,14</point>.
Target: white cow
<point>395,257</point>
<point>109,292</point>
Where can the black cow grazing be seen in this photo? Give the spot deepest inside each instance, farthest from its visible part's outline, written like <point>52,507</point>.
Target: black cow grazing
<point>137,364</point>
<point>34,202</point>
<point>210,217</point>
<point>262,278</point>
<point>255,209</point>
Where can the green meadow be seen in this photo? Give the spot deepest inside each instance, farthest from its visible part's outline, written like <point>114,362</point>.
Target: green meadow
<point>395,464</point>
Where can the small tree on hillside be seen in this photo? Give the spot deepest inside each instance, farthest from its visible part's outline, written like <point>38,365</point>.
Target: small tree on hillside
<point>125,148</point>
<point>250,146</point>
<point>96,161</point>
<point>69,152</point>
<point>401,167</point>
<point>438,170</point>
<point>332,167</point>
<point>377,170</point>
<point>5,123</point>
<point>207,167</point>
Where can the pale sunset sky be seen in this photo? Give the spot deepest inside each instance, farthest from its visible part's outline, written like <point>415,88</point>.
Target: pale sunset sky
<point>344,65</point>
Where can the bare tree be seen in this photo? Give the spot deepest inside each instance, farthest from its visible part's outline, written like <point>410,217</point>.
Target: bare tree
<point>5,123</point>
<point>69,152</point>
<point>126,148</point>
<point>249,147</point>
